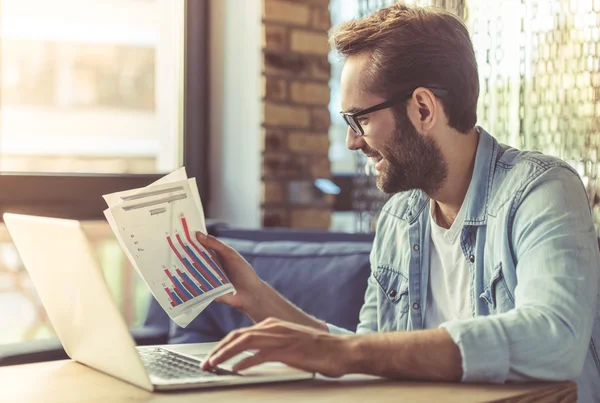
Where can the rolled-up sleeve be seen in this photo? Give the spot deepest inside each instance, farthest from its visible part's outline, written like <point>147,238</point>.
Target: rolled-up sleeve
<point>546,335</point>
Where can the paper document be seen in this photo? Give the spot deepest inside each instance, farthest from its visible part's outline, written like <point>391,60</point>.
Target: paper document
<point>156,227</point>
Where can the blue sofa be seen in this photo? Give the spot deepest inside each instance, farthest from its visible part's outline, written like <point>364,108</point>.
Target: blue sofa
<point>324,273</point>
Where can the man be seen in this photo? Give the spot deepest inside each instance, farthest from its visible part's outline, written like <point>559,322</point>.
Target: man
<point>486,255</point>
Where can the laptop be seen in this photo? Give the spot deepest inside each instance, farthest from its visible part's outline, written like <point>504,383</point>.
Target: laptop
<point>65,272</point>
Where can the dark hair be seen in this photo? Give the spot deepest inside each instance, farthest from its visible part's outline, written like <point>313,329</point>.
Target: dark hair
<point>411,47</point>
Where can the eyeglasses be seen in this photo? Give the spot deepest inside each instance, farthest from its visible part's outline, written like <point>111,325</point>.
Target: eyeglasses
<point>351,117</point>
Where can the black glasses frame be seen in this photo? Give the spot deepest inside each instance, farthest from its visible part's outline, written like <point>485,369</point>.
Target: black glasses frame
<point>351,117</point>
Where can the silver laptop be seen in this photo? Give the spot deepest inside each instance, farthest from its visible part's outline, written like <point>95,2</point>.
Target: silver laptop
<point>72,288</point>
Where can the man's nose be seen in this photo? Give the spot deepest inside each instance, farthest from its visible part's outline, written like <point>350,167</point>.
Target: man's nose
<point>353,141</point>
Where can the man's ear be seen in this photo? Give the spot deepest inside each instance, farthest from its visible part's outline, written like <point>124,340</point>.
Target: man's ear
<point>427,108</point>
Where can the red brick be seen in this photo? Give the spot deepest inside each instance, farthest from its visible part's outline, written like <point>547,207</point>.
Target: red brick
<point>322,3</point>
<point>274,89</point>
<point>309,42</point>
<point>286,12</point>
<point>285,65</point>
<point>274,140</point>
<point>309,143</point>
<point>320,167</point>
<point>310,93</point>
<point>320,18</point>
<point>285,115</point>
<point>319,68</point>
<point>275,217</point>
<point>282,165</point>
<point>273,192</point>
<point>274,37</point>
<point>320,119</point>
<point>310,218</point>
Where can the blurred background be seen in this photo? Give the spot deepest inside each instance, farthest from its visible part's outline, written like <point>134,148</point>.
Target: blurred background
<point>103,95</point>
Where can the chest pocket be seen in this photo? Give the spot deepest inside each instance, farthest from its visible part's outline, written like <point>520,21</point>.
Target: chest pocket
<point>496,292</point>
<point>393,299</point>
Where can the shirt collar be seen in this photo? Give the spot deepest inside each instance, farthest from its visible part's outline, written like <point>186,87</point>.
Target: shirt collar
<point>476,200</point>
<point>477,197</point>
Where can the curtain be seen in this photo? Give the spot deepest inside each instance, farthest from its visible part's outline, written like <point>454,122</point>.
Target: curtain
<point>539,81</point>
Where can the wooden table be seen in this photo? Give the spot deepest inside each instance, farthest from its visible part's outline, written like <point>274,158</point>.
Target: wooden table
<point>68,381</point>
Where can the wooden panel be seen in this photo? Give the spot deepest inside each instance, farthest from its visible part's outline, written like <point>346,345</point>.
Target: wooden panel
<point>70,381</point>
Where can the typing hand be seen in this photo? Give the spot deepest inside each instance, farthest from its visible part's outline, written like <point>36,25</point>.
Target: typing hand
<point>277,341</point>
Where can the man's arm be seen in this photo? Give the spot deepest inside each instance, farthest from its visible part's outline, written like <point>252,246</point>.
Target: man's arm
<point>268,303</point>
<point>546,335</point>
<point>420,355</point>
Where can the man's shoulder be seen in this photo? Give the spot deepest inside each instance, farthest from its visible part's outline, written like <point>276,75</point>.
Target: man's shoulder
<point>514,160</point>
<point>515,170</point>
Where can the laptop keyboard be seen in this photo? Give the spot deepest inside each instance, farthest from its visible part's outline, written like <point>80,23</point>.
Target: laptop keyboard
<point>165,364</point>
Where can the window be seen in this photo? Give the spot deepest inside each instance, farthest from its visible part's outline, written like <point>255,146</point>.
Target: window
<point>95,96</point>
<point>88,86</point>
<point>92,100</point>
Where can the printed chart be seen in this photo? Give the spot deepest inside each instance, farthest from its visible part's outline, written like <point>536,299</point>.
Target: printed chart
<point>156,226</point>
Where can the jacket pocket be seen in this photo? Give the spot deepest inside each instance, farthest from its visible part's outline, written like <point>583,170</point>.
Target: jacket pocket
<point>394,287</point>
<point>496,293</point>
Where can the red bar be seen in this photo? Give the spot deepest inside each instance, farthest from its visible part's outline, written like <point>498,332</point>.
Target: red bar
<point>187,235</point>
<point>195,275</point>
<point>189,238</point>
<point>180,292</point>
<point>182,262</point>
<point>196,264</point>
<point>214,267</point>
<point>173,303</point>
<point>187,284</point>
<point>175,250</point>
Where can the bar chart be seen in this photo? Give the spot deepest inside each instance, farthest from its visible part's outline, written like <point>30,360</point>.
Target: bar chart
<point>195,272</point>
<point>156,226</point>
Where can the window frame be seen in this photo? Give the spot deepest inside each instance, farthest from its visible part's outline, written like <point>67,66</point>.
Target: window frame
<point>79,196</point>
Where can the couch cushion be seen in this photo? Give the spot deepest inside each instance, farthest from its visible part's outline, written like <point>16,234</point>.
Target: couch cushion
<point>327,280</point>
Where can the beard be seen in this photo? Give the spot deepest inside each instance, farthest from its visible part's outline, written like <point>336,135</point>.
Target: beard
<point>411,161</point>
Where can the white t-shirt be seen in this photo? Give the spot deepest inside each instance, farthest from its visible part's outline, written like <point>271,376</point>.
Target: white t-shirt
<point>449,279</point>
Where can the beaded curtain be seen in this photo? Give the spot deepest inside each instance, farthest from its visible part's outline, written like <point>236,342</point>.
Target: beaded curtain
<point>539,82</point>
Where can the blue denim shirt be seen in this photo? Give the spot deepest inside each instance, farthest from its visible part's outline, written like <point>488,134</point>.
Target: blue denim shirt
<point>534,263</point>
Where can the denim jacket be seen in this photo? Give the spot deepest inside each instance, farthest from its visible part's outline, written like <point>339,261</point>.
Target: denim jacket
<point>534,263</point>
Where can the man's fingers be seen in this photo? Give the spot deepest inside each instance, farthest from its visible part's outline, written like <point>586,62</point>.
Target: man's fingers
<point>210,242</point>
<point>227,340</point>
<point>249,341</point>
<point>258,358</point>
<point>267,326</point>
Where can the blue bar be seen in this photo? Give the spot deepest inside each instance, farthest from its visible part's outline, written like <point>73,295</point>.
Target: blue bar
<point>177,300</point>
<point>188,289</point>
<point>208,257</point>
<point>190,267</point>
<point>182,288</point>
<point>189,280</point>
<point>208,270</point>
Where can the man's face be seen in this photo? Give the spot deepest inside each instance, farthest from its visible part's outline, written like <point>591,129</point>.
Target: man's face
<point>405,159</point>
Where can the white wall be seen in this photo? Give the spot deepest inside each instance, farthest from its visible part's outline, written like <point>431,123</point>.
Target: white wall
<point>235,112</point>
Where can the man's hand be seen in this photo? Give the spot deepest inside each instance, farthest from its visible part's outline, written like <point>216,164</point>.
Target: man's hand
<point>298,346</point>
<point>238,270</point>
<point>254,297</point>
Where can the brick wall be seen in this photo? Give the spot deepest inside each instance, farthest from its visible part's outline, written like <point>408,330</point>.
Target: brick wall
<point>295,114</point>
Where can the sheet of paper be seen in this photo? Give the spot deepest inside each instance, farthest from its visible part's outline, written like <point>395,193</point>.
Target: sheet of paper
<point>156,228</point>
